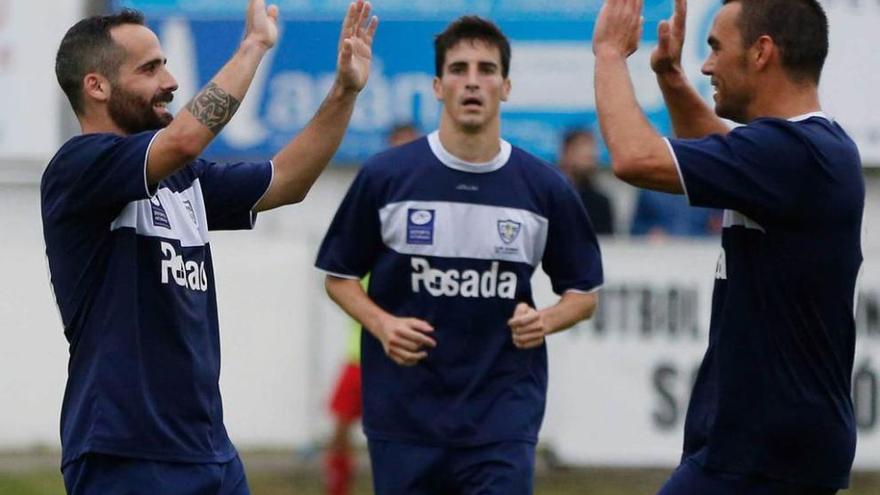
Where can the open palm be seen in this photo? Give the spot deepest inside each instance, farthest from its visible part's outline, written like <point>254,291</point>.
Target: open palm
<point>356,46</point>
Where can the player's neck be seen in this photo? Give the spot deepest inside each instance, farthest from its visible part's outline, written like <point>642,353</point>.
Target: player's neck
<point>473,147</point>
<point>98,122</point>
<point>798,99</point>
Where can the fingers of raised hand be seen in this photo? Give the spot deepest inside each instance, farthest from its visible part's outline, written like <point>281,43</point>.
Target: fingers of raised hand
<point>680,12</point>
<point>371,30</point>
<point>363,14</point>
<point>348,22</point>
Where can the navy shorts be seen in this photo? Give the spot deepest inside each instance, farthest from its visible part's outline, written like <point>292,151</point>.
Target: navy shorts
<point>99,474</point>
<point>692,479</point>
<point>504,468</point>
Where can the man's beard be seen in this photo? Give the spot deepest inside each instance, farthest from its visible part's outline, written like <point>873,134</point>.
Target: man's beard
<point>132,114</point>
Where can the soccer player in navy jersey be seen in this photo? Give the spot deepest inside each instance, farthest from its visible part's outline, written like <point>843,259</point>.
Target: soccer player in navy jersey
<point>451,228</point>
<point>770,411</point>
<point>126,210</point>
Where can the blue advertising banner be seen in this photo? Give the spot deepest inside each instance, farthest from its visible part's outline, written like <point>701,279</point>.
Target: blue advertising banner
<point>551,68</point>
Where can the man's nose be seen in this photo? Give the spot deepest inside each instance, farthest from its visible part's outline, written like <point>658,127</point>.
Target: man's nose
<point>472,81</point>
<point>708,67</point>
<point>168,82</point>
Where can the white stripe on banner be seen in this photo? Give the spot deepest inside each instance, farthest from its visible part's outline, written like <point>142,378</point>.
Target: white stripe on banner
<point>169,215</point>
<point>464,230</point>
<point>734,218</point>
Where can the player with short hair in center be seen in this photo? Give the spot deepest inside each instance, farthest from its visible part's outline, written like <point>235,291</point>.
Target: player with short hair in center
<point>127,207</point>
<point>451,228</point>
<point>770,412</point>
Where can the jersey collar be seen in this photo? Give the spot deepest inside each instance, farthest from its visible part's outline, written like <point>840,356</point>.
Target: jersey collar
<point>446,158</point>
<point>799,118</point>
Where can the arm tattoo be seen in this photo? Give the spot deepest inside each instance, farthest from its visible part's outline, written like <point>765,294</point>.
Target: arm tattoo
<point>213,107</point>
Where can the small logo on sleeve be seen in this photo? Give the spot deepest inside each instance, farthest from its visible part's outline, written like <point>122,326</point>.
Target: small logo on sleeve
<point>191,211</point>
<point>160,217</point>
<point>419,226</point>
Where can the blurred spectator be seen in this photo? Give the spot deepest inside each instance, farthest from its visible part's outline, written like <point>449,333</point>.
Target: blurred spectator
<point>660,215</point>
<point>578,160</point>
<point>402,133</point>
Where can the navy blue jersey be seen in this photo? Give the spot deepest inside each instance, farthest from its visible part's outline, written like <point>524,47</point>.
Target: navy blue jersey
<point>455,244</point>
<point>773,393</point>
<point>132,275</point>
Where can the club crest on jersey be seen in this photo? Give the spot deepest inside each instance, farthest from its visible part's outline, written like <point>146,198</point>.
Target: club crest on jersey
<point>509,230</point>
<point>419,226</point>
<point>160,217</point>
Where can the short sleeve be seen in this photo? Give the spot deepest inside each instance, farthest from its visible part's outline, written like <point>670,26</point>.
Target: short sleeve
<point>753,169</point>
<point>231,191</point>
<point>98,172</point>
<point>354,239</point>
<point>572,258</point>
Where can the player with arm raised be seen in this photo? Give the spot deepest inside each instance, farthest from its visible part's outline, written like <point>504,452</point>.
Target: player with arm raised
<point>451,228</point>
<point>126,208</point>
<point>770,412</point>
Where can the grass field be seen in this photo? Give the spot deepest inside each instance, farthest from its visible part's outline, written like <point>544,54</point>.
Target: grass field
<point>284,474</point>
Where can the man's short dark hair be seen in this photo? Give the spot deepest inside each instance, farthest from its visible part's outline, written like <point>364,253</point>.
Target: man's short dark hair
<point>88,47</point>
<point>471,28</point>
<point>798,27</point>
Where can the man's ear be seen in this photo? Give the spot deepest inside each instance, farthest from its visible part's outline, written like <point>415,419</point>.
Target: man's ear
<point>763,51</point>
<point>505,90</point>
<point>96,87</point>
<point>438,89</point>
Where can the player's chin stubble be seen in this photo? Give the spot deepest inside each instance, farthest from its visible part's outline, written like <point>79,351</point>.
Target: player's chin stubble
<point>132,114</point>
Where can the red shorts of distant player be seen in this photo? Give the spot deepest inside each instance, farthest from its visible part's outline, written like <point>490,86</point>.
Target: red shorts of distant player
<point>346,400</point>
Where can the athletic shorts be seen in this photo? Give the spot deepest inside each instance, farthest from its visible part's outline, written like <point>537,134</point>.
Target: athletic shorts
<point>99,474</point>
<point>504,468</point>
<point>692,479</point>
<point>346,401</point>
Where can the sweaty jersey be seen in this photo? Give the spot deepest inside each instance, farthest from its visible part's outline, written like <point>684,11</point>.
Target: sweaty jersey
<point>773,393</point>
<point>131,270</point>
<point>455,244</point>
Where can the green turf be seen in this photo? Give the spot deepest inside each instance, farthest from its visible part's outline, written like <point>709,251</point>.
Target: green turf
<point>307,482</point>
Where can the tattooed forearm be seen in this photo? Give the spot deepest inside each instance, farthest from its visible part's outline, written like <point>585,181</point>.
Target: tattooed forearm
<point>213,107</point>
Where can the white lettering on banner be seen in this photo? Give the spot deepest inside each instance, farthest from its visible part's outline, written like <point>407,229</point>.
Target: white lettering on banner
<point>467,283</point>
<point>294,97</point>
<point>638,311</point>
<point>721,266</point>
<point>866,395</point>
<point>866,375</point>
<point>672,385</point>
<point>187,274</point>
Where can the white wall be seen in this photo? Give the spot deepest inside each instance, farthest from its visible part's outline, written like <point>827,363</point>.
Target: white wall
<point>29,38</point>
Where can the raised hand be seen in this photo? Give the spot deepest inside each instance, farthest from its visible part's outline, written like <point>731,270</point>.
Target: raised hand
<point>356,46</point>
<point>527,327</point>
<point>261,24</point>
<point>666,57</point>
<point>405,339</point>
<point>618,27</point>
